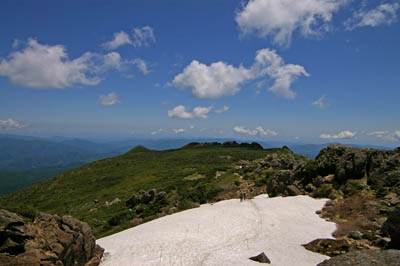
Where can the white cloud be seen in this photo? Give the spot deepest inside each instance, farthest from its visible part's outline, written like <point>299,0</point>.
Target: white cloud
<point>221,79</point>
<point>156,132</point>
<point>143,36</point>
<point>378,134</point>
<point>246,131</point>
<point>201,112</point>
<point>382,14</point>
<point>198,112</point>
<point>386,135</point>
<point>347,134</point>
<point>141,65</point>
<point>222,110</point>
<point>10,124</point>
<point>266,132</point>
<point>140,37</point>
<point>44,66</point>
<point>178,130</point>
<point>120,38</point>
<point>218,79</point>
<point>397,135</point>
<point>280,18</point>
<point>113,60</point>
<point>268,62</point>
<point>260,131</point>
<point>320,102</point>
<point>109,99</point>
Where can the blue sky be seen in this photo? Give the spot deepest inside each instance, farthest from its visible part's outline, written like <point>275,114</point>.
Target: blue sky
<point>297,71</point>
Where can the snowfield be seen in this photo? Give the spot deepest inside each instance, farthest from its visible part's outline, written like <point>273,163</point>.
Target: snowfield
<point>225,233</point>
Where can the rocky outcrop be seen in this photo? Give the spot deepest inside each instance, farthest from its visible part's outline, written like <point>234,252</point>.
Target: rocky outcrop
<point>365,258</point>
<point>339,169</point>
<point>48,240</point>
<point>146,197</point>
<point>392,228</point>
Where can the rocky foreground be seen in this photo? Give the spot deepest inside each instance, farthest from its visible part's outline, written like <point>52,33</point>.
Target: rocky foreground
<point>48,240</point>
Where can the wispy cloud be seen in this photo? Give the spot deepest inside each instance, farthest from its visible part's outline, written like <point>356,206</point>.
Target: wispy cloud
<point>178,130</point>
<point>384,14</point>
<point>140,37</point>
<point>222,110</point>
<point>143,36</point>
<point>346,134</point>
<point>320,103</point>
<point>386,135</point>
<point>10,124</point>
<point>260,131</point>
<point>109,99</point>
<point>120,38</point>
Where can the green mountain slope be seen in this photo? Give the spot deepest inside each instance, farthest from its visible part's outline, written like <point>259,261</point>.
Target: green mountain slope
<point>194,174</point>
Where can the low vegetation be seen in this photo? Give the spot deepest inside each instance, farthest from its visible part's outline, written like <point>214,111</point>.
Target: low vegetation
<point>193,175</point>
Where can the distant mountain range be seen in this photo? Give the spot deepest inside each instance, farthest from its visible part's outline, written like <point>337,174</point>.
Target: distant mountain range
<point>25,160</point>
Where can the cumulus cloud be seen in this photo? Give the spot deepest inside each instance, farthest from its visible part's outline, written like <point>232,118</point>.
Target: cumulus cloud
<point>320,103</point>
<point>109,99</point>
<point>260,131</point>
<point>280,18</point>
<point>120,38</point>
<point>222,110</point>
<point>347,134</point>
<point>178,130</point>
<point>10,124</point>
<point>382,14</point>
<point>268,62</point>
<point>386,135</point>
<point>143,36</point>
<point>221,79</point>
<point>44,66</point>
<point>198,112</point>
<point>218,79</point>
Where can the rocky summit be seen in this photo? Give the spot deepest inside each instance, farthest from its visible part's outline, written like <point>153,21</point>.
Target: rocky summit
<point>48,240</point>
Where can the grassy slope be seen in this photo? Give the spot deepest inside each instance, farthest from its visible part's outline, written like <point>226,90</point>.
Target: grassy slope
<point>73,192</point>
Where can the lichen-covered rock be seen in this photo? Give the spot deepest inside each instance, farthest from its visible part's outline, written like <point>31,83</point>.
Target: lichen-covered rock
<point>365,258</point>
<point>48,240</point>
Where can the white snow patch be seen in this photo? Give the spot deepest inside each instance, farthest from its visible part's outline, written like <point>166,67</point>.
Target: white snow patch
<point>225,233</point>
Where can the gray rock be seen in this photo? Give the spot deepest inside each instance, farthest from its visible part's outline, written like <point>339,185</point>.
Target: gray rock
<point>357,235</point>
<point>262,258</point>
<point>365,258</point>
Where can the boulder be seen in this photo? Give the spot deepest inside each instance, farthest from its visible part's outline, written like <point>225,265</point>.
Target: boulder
<point>262,258</point>
<point>329,247</point>
<point>48,240</point>
<point>392,228</point>
<point>365,258</point>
